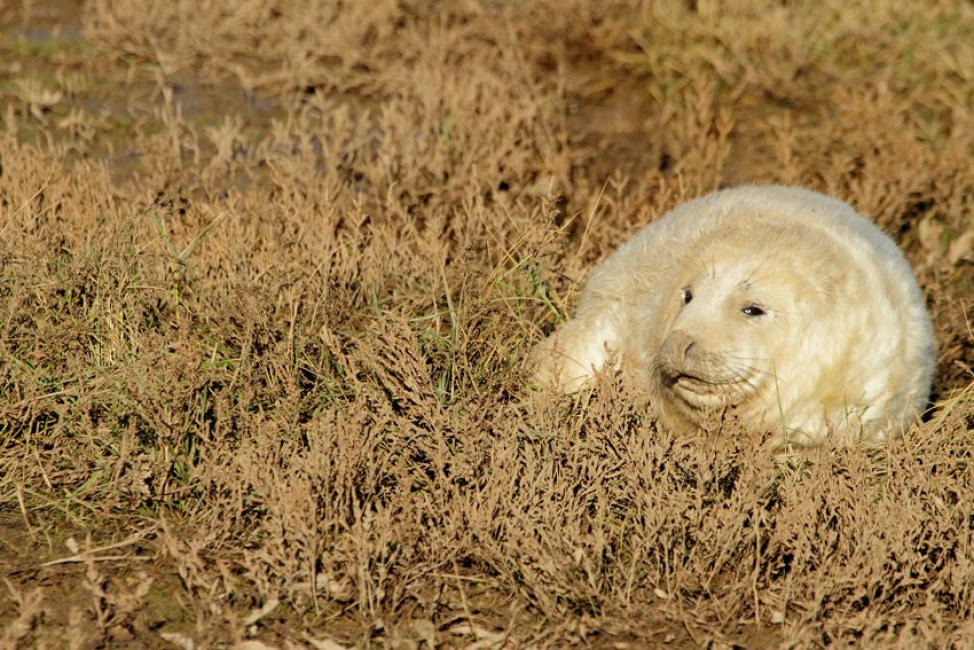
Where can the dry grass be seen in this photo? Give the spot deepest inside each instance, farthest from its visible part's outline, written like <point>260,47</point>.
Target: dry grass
<point>268,269</point>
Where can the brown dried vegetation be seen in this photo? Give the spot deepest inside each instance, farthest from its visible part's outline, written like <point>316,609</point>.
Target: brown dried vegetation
<point>268,269</point>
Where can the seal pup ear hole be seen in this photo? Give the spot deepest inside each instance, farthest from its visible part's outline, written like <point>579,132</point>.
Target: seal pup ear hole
<point>687,295</point>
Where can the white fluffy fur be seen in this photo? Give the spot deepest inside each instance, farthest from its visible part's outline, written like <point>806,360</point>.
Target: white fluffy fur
<point>842,351</point>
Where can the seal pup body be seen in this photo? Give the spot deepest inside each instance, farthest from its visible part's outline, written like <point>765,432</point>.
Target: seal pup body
<point>780,303</point>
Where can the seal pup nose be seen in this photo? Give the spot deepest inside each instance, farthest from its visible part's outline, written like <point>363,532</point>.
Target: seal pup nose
<point>678,345</point>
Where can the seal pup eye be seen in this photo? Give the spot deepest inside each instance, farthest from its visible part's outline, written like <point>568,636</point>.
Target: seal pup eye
<point>687,296</point>
<point>753,310</point>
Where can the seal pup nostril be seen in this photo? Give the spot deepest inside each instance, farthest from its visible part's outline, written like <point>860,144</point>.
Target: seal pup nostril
<point>674,350</point>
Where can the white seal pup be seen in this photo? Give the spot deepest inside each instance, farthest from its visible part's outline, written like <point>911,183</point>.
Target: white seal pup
<point>780,303</point>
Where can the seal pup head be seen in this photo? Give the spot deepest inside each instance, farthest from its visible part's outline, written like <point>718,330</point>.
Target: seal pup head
<point>734,323</point>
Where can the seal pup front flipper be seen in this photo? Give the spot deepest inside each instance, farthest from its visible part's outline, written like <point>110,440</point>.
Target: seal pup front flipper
<point>603,329</point>
<point>571,356</point>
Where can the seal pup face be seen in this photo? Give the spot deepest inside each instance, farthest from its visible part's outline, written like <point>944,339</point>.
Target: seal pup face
<point>730,322</point>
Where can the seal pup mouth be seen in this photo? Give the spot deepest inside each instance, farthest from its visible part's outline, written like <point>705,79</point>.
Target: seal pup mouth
<point>715,386</point>
<point>675,379</point>
<point>690,380</point>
